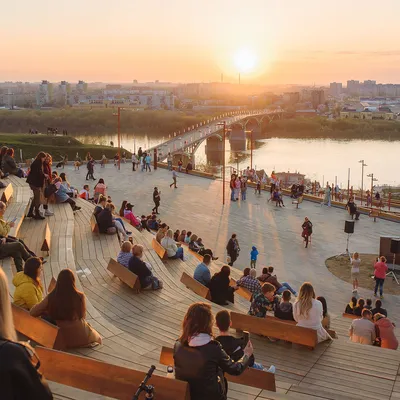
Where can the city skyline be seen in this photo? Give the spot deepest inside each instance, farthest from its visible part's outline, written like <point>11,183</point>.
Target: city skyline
<point>301,43</point>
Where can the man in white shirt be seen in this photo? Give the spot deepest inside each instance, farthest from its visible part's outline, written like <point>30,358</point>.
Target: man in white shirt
<point>362,330</point>
<point>174,175</point>
<point>134,161</point>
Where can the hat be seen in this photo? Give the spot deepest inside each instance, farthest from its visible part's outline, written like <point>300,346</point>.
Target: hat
<point>129,205</point>
<point>254,248</point>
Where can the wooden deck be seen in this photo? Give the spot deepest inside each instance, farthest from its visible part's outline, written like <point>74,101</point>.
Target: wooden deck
<point>135,326</point>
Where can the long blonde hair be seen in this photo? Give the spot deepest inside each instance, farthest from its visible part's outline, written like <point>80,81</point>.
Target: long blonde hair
<point>306,296</point>
<point>7,330</point>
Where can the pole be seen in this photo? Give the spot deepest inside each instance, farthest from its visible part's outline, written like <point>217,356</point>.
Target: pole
<point>348,184</point>
<point>119,138</point>
<point>372,186</point>
<point>362,180</point>
<point>223,165</point>
<point>251,149</point>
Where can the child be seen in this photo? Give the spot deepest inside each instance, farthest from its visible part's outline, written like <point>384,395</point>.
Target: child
<point>84,194</point>
<point>355,270</point>
<point>284,310</point>
<point>359,307</point>
<point>253,257</point>
<point>258,187</point>
<point>125,254</point>
<point>264,301</point>
<point>351,306</point>
<point>368,306</point>
<point>234,346</point>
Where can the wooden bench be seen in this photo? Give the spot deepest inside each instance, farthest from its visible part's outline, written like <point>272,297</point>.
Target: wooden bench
<point>374,213</point>
<point>243,292</point>
<point>195,286</point>
<point>123,273</point>
<point>7,193</point>
<point>93,225</point>
<point>105,379</point>
<point>162,253</point>
<point>298,201</point>
<point>275,329</point>
<point>250,377</point>
<point>351,316</point>
<point>47,239</point>
<point>37,329</point>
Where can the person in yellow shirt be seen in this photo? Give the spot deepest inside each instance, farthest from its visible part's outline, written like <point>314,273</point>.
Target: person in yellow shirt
<point>10,246</point>
<point>28,287</point>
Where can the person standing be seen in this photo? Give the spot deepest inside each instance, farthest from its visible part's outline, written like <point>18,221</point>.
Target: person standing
<point>124,157</point>
<point>233,249</point>
<point>174,175</point>
<point>134,161</point>
<point>140,152</point>
<point>169,162</point>
<point>36,180</point>
<point>253,257</point>
<point>180,163</point>
<point>156,200</point>
<point>148,162</point>
<point>243,187</point>
<point>355,270</point>
<point>380,268</point>
<point>327,198</point>
<point>307,230</point>
<point>232,186</point>
<point>90,168</point>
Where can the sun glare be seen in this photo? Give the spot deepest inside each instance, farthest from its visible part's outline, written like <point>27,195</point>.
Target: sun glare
<point>245,60</point>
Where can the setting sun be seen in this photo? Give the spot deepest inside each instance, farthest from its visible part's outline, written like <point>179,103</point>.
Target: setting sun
<point>245,60</point>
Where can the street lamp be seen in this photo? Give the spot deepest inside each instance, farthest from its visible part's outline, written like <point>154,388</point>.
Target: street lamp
<point>362,178</point>
<point>223,124</point>
<point>372,184</point>
<point>251,148</point>
<point>118,115</point>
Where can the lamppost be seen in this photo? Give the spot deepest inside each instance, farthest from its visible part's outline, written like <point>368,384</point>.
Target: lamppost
<point>372,184</point>
<point>223,124</point>
<point>118,115</point>
<point>362,178</point>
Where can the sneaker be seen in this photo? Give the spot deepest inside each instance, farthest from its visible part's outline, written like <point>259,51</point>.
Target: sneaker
<point>38,217</point>
<point>354,290</point>
<point>381,296</point>
<point>128,233</point>
<point>271,369</point>
<point>48,213</point>
<point>375,295</point>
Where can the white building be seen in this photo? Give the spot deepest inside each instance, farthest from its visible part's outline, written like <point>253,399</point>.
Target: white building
<point>44,94</point>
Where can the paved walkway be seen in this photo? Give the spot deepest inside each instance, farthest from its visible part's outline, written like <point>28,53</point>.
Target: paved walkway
<point>197,206</point>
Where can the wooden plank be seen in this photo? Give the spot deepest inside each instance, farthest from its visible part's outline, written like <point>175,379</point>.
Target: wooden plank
<point>47,239</point>
<point>195,286</point>
<point>243,292</point>
<point>93,225</point>
<point>250,377</point>
<point>162,253</point>
<point>103,378</point>
<point>275,329</point>
<point>7,193</point>
<point>37,329</point>
<point>123,273</point>
<point>351,316</point>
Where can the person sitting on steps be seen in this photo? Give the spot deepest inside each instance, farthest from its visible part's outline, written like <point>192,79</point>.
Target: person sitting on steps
<point>232,345</point>
<point>267,276</point>
<point>169,244</point>
<point>125,254</point>
<point>352,208</point>
<point>284,310</point>
<point>202,272</point>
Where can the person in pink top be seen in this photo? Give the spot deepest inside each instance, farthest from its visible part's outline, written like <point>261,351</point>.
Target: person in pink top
<point>386,332</point>
<point>380,275</point>
<point>100,189</point>
<point>128,214</point>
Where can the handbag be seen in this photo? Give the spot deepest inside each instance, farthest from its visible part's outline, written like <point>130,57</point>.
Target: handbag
<point>49,190</point>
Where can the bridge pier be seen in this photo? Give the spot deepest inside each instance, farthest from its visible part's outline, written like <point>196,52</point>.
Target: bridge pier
<point>214,148</point>
<point>237,137</point>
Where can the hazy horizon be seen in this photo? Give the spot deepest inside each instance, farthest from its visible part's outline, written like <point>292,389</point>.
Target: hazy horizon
<point>190,41</point>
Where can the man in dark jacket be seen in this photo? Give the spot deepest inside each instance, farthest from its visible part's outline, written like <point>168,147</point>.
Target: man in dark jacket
<point>156,200</point>
<point>352,208</point>
<point>284,310</point>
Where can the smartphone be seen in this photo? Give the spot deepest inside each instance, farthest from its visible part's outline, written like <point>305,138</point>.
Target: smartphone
<point>246,336</point>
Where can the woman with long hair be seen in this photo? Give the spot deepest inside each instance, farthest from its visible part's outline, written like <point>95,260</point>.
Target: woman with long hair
<point>47,163</point>
<point>100,189</point>
<point>131,217</point>
<point>169,244</point>
<point>3,152</point>
<point>308,312</point>
<point>200,360</point>
<point>8,164</point>
<point>19,378</point>
<point>71,191</point>
<point>67,306</point>
<point>36,179</point>
<point>220,289</point>
<point>326,320</point>
<point>28,287</point>
<point>307,230</point>
<point>123,207</point>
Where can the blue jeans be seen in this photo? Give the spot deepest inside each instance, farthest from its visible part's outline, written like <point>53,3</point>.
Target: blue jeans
<point>169,165</point>
<point>244,195</point>
<point>232,194</point>
<point>120,220</point>
<point>178,254</point>
<point>379,283</point>
<point>285,286</point>
<point>257,366</point>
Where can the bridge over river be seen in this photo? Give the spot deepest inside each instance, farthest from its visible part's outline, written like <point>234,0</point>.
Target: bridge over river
<point>238,123</point>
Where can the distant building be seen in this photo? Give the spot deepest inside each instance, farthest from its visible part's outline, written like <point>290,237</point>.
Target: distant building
<point>291,97</point>
<point>368,114</point>
<point>353,87</point>
<point>317,97</point>
<point>335,89</point>
<point>290,178</point>
<point>44,94</point>
<point>81,87</point>
<point>306,113</point>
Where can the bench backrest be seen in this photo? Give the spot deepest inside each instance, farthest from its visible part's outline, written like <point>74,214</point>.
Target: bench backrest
<point>7,193</point>
<point>93,225</point>
<point>123,273</point>
<point>103,378</point>
<point>47,239</point>
<point>243,292</point>
<point>250,377</point>
<point>275,328</point>
<point>162,253</point>
<point>195,286</point>
<point>351,316</point>
<point>36,329</point>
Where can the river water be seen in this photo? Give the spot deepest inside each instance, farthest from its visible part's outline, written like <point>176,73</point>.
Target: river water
<point>319,159</point>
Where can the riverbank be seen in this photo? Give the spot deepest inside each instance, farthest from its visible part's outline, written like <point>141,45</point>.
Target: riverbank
<point>57,146</point>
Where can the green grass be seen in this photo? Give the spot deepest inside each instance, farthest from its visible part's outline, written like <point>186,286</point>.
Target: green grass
<point>57,146</point>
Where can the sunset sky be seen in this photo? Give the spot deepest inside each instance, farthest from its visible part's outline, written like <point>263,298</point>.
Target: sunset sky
<point>270,41</point>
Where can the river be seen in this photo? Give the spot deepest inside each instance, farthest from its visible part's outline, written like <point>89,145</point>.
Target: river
<point>319,159</point>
